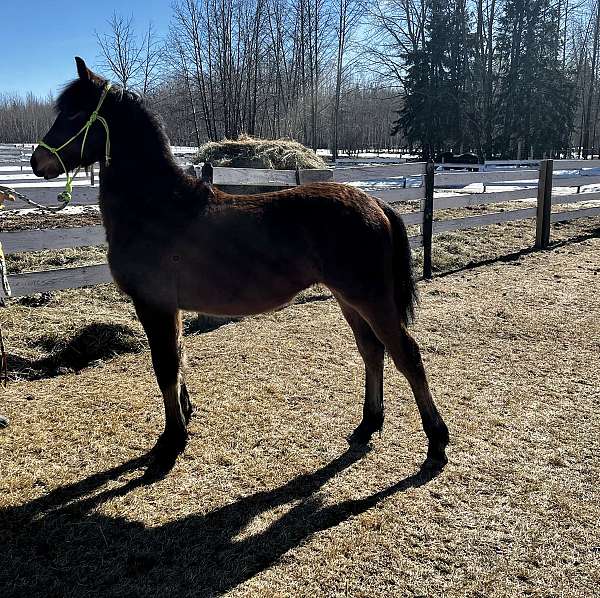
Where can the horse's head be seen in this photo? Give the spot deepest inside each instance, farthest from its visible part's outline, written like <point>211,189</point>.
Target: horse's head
<point>68,145</point>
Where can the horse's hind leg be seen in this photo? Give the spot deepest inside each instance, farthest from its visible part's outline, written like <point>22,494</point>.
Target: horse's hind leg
<point>163,328</point>
<point>405,353</point>
<point>372,351</point>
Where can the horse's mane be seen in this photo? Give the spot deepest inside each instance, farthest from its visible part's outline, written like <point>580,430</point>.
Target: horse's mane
<point>83,95</point>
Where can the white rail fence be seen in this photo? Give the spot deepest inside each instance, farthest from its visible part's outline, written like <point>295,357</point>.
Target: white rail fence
<point>414,182</point>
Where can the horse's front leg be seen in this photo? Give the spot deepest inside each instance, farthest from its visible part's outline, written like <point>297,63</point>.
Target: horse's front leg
<point>163,328</point>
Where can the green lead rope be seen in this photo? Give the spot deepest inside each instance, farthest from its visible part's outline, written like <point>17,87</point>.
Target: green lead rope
<point>66,195</point>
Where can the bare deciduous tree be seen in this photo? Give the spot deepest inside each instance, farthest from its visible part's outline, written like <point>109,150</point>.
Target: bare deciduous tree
<point>24,119</point>
<point>120,50</point>
<point>348,17</point>
<point>333,72</point>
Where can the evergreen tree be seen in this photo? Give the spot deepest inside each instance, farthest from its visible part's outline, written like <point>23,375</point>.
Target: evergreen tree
<point>534,90</point>
<point>433,111</point>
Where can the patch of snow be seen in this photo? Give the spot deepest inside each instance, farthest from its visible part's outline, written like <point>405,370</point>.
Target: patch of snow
<point>69,211</point>
<point>184,149</point>
<point>13,168</point>
<point>29,176</point>
<point>387,183</point>
<point>48,184</point>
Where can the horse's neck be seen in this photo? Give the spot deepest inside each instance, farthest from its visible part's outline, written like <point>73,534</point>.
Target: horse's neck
<point>136,168</point>
<point>140,154</point>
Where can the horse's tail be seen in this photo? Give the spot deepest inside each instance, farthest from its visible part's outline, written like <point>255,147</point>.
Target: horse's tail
<point>405,289</point>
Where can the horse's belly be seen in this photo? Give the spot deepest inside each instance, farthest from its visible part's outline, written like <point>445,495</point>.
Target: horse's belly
<point>234,307</point>
<point>217,269</point>
<point>227,302</point>
<point>238,291</point>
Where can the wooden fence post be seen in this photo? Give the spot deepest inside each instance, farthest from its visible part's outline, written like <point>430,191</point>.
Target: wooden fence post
<point>207,173</point>
<point>427,228</point>
<point>544,205</point>
<point>92,177</point>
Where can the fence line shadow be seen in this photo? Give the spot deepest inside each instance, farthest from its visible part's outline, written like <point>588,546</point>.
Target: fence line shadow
<point>515,255</point>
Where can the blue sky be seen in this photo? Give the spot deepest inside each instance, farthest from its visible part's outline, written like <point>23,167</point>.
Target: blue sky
<point>41,38</point>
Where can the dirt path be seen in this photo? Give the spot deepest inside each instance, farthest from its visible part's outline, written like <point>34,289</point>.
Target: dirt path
<point>266,501</point>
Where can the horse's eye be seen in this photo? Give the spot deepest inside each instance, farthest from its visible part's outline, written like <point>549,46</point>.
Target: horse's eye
<point>75,115</point>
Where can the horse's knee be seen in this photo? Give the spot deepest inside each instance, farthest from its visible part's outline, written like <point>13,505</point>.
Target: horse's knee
<point>167,372</point>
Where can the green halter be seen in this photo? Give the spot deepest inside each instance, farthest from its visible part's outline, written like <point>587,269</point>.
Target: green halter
<point>67,194</point>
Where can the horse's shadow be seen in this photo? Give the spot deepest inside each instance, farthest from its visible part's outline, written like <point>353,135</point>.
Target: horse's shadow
<point>58,545</point>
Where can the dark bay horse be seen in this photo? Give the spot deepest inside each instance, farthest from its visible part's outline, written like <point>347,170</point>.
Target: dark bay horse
<point>176,243</point>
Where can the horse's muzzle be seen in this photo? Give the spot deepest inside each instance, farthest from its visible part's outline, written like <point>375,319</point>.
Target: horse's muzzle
<point>44,164</point>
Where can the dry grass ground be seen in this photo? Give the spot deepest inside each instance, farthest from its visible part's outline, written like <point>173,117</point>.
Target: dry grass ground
<point>267,501</point>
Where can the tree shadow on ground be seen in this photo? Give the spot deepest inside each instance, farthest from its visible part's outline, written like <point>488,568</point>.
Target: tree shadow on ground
<point>59,545</point>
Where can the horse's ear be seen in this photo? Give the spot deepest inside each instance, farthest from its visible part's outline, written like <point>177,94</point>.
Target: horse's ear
<point>82,70</point>
<point>85,74</point>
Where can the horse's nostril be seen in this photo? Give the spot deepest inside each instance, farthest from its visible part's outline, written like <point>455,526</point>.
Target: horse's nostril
<point>34,165</point>
<point>44,164</point>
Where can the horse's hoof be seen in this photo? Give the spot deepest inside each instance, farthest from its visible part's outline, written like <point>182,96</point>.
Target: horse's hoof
<point>436,460</point>
<point>160,465</point>
<point>164,455</point>
<point>365,430</point>
<point>361,436</point>
<point>170,442</point>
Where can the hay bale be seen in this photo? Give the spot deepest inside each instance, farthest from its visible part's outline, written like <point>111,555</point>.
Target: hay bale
<point>253,152</point>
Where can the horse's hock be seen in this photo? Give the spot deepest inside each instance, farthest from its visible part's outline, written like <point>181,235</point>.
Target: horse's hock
<point>251,152</point>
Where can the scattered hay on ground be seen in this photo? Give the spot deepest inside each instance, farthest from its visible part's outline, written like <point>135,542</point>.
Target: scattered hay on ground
<point>252,152</point>
<point>37,327</point>
<point>32,261</point>
<point>12,220</point>
<point>90,345</point>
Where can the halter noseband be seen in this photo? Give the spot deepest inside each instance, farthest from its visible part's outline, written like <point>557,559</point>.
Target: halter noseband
<point>66,195</point>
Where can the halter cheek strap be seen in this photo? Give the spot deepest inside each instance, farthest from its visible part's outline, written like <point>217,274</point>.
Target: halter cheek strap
<point>67,194</point>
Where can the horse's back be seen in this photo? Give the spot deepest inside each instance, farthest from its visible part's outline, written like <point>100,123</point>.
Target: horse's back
<point>340,233</point>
